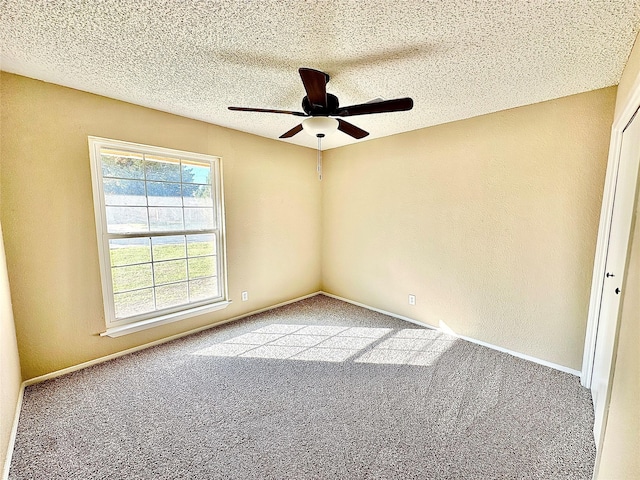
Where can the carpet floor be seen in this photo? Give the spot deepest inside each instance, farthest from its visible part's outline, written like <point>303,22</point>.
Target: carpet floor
<point>313,390</point>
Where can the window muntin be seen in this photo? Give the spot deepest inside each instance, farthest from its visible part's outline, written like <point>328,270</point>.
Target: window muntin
<point>160,226</point>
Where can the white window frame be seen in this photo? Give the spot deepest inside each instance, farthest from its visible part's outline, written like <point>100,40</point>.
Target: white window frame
<point>117,327</point>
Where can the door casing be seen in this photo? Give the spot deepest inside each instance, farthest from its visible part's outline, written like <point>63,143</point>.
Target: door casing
<point>619,125</point>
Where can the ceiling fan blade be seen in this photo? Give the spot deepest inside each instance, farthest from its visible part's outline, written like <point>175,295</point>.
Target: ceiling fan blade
<point>384,106</point>
<point>350,129</point>
<point>315,84</point>
<point>267,110</point>
<point>292,132</point>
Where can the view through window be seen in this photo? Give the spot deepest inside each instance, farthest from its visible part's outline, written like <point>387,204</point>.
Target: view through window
<point>160,227</point>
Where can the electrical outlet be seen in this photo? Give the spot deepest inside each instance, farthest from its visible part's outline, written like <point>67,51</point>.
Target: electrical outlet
<point>412,299</point>
<point>245,296</point>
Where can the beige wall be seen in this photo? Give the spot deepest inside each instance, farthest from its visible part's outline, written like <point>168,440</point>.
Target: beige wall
<point>272,209</point>
<point>10,378</point>
<point>618,457</point>
<point>491,222</point>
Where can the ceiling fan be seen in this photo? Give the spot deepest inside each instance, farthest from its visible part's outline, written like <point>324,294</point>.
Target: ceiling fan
<point>320,107</point>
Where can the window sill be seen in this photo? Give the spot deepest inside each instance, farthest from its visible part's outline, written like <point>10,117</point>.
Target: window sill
<point>164,319</point>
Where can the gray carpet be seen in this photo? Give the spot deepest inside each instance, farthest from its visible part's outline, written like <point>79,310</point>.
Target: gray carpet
<point>317,389</point>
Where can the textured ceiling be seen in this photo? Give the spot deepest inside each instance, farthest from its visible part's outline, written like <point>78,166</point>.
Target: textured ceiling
<point>456,59</point>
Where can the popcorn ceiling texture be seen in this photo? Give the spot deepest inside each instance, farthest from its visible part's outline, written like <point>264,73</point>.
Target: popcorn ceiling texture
<point>457,59</point>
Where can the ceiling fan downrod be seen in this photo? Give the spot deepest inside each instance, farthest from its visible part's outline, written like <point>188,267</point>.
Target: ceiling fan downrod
<point>319,167</point>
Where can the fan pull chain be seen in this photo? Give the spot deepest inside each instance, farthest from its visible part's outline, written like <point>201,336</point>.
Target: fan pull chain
<point>319,167</point>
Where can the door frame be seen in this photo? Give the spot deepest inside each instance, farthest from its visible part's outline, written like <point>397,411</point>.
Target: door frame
<point>620,123</point>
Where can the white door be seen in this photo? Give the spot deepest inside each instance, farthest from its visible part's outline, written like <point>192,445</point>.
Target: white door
<point>617,250</point>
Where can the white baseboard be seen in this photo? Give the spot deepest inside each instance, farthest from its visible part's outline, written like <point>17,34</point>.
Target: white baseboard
<point>468,339</point>
<point>106,358</point>
<point>524,356</point>
<point>384,312</point>
<point>14,432</point>
<point>80,366</point>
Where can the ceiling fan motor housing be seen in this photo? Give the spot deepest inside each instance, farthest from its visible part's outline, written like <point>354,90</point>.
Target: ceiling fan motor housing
<point>320,110</point>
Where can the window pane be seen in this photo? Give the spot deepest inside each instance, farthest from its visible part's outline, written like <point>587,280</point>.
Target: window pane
<point>158,218</point>
<point>165,219</point>
<point>121,164</point>
<point>164,194</point>
<point>169,272</point>
<point>203,288</point>
<point>133,303</point>
<point>197,196</point>
<point>198,218</point>
<point>199,245</point>
<point>128,251</point>
<point>127,219</point>
<point>172,295</point>
<point>162,168</point>
<point>131,277</point>
<point>202,267</point>
<point>196,172</point>
<point>168,248</point>
<point>124,192</point>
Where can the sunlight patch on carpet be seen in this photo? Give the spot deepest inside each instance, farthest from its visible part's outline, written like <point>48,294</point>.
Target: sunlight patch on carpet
<point>331,343</point>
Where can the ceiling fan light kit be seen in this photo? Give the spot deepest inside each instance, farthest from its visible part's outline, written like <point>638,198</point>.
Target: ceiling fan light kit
<point>315,126</point>
<point>319,108</point>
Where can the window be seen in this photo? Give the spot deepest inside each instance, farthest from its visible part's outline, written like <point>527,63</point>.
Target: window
<point>160,226</point>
